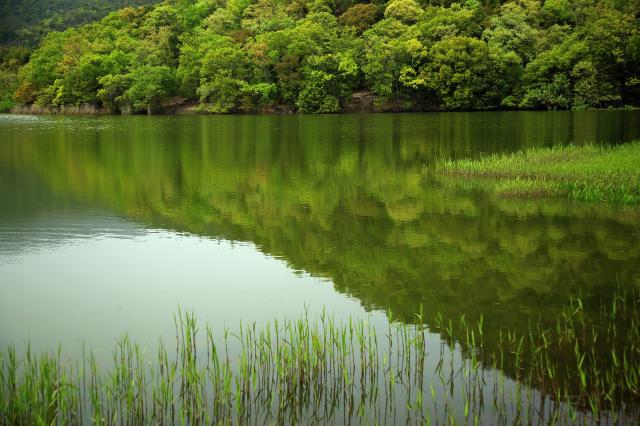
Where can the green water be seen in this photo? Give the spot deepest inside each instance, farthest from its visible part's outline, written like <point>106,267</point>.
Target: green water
<point>107,224</point>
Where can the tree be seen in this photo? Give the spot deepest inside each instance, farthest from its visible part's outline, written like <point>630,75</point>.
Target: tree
<point>438,23</point>
<point>554,92</point>
<point>466,73</point>
<point>589,90</point>
<point>42,70</point>
<point>112,92</point>
<point>150,86</point>
<point>232,55</point>
<point>360,16</point>
<point>390,48</point>
<point>327,82</point>
<point>316,93</point>
<point>514,30</point>
<point>546,78</point>
<point>407,11</point>
<point>557,11</point>
<point>11,59</point>
<point>79,85</point>
<point>223,76</point>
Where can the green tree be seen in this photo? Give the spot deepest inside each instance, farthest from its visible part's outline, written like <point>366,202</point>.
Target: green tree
<point>359,16</point>
<point>514,29</point>
<point>391,48</point>
<point>557,11</point>
<point>328,81</point>
<point>438,23</point>
<point>466,73</point>
<point>546,78</point>
<point>150,87</point>
<point>589,90</point>
<point>223,76</point>
<point>296,55</point>
<point>112,92</point>
<point>11,59</point>
<point>42,70</point>
<point>407,11</point>
<point>79,85</point>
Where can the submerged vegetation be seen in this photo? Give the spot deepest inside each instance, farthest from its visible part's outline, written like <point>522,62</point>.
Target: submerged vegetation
<point>588,172</point>
<point>320,370</point>
<point>324,56</point>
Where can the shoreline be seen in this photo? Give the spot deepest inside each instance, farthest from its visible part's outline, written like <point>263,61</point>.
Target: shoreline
<point>84,111</point>
<point>360,102</point>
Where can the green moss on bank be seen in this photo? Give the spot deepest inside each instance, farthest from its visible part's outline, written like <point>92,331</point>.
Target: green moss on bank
<point>588,172</point>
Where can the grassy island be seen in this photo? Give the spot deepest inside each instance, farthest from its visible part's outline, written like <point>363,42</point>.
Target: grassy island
<point>588,172</point>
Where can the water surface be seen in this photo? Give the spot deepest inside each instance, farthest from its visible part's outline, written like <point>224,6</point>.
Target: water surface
<point>108,224</point>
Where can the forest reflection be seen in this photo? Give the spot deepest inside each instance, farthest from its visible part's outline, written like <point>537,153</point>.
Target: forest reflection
<point>346,198</point>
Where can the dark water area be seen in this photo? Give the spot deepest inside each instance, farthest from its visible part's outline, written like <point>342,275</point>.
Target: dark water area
<point>108,224</point>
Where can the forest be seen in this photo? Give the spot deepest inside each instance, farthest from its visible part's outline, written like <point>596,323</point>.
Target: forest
<point>27,21</point>
<point>327,56</point>
<point>23,23</point>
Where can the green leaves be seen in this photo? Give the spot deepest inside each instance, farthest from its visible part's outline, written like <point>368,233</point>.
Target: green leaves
<point>223,76</point>
<point>112,92</point>
<point>256,54</point>
<point>316,95</point>
<point>359,16</point>
<point>407,11</point>
<point>150,86</point>
<point>466,74</point>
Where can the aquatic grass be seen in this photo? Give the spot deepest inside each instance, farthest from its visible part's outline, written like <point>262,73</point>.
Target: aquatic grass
<point>320,370</point>
<point>585,172</point>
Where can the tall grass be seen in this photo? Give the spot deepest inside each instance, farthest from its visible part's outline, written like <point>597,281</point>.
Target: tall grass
<point>588,172</point>
<point>320,370</point>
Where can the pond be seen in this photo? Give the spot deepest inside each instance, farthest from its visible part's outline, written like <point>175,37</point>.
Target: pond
<point>108,225</point>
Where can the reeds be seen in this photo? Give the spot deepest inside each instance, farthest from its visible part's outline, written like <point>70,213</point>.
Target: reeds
<point>587,173</point>
<point>320,370</point>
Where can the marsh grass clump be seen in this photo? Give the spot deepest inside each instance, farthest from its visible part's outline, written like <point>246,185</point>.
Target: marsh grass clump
<point>587,172</point>
<point>319,370</point>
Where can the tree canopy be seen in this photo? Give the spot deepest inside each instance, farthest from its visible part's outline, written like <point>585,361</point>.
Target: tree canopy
<point>312,55</point>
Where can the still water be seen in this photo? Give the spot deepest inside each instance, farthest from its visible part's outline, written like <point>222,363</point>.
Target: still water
<point>109,224</point>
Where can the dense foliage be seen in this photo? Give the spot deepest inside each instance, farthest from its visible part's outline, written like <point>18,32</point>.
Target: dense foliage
<point>23,23</point>
<point>322,56</point>
<point>11,59</point>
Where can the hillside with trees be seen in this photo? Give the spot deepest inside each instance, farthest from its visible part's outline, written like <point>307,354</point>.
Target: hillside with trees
<point>324,56</point>
<point>23,23</point>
